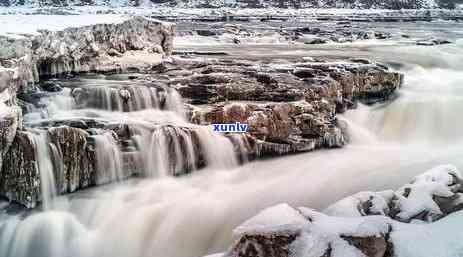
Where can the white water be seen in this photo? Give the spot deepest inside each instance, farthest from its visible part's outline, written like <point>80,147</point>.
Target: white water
<point>132,98</point>
<point>108,158</point>
<point>167,151</point>
<point>45,168</point>
<point>194,215</point>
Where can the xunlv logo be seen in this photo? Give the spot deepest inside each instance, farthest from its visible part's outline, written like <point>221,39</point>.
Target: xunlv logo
<point>230,127</point>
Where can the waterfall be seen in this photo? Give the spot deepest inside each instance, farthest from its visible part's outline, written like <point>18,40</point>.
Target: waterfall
<point>105,98</point>
<point>133,98</point>
<point>143,98</point>
<point>172,150</point>
<point>108,158</point>
<point>174,102</point>
<point>426,113</point>
<point>50,105</point>
<point>195,215</point>
<point>167,151</point>
<point>45,168</point>
<point>217,149</point>
<point>242,146</point>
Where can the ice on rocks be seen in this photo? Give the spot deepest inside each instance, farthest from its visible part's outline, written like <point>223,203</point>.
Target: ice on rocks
<point>419,197</point>
<point>362,204</point>
<point>346,226</point>
<point>275,218</point>
<point>363,225</point>
<point>325,232</point>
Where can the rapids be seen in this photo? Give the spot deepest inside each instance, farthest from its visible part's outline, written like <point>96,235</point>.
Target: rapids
<point>194,215</point>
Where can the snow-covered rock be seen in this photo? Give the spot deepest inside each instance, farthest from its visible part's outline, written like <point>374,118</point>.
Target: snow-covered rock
<point>362,204</point>
<point>282,231</point>
<point>430,195</point>
<point>361,225</point>
<point>125,43</point>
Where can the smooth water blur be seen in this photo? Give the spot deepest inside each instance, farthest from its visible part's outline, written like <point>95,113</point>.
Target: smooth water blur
<point>194,215</point>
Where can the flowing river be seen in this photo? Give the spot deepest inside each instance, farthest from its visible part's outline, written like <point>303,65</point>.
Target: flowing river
<point>194,215</point>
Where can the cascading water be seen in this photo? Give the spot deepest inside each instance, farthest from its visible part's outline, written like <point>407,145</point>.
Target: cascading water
<point>108,158</point>
<point>45,168</point>
<point>194,215</point>
<point>174,102</point>
<point>218,149</point>
<point>129,99</point>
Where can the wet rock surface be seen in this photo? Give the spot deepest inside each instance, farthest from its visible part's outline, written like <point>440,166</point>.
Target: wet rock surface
<point>349,227</point>
<point>289,107</point>
<point>133,44</point>
<point>105,127</point>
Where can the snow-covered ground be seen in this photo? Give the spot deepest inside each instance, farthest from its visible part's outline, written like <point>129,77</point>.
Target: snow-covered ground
<point>30,24</point>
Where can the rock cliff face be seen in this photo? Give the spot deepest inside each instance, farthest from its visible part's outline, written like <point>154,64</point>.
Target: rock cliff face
<point>373,224</point>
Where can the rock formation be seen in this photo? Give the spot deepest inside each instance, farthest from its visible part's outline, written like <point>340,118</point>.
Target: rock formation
<point>102,47</point>
<point>133,44</point>
<point>289,107</point>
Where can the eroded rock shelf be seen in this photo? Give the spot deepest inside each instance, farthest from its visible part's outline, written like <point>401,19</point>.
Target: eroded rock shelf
<point>153,121</point>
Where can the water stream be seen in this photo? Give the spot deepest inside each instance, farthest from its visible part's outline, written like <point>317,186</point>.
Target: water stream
<point>194,215</point>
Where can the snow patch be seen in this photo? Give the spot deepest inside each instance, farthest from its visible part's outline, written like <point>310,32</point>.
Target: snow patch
<point>276,218</point>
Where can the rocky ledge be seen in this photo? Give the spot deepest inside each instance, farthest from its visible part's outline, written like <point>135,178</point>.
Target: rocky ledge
<point>288,107</point>
<point>128,45</point>
<point>415,220</point>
